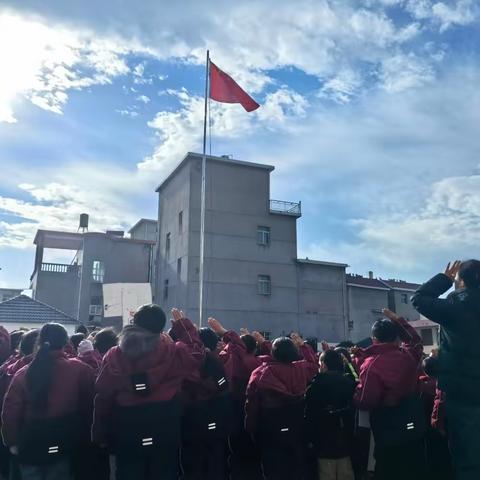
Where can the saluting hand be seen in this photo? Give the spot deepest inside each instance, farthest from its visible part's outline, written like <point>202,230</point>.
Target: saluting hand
<point>390,315</point>
<point>177,315</point>
<point>216,326</point>
<point>452,269</point>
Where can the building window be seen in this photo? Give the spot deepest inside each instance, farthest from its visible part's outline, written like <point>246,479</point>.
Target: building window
<point>427,336</point>
<point>95,310</point>
<point>266,335</point>
<point>167,245</point>
<point>180,221</point>
<point>263,236</point>
<point>264,285</point>
<point>165,290</point>
<point>98,271</point>
<point>179,267</point>
<point>404,298</point>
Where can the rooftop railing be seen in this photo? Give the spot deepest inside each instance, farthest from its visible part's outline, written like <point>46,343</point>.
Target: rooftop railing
<point>58,268</point>
<point>286,208</point>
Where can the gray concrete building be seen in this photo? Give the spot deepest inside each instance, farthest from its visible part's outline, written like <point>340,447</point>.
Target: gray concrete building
<point>75,288</point>
<point>252,275</point>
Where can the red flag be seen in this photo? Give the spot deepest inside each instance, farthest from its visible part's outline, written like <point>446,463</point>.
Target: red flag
<point>225,89</point>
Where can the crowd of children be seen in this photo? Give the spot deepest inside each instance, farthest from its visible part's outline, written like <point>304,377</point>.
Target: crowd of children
<point>209,403</point>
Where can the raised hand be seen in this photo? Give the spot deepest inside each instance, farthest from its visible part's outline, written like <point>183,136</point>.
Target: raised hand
<point>296,339</point>
<point>216,326</point>
<point>244,331</point>
<point>325,346</point>
<point>452,269</point>
<point>258,337</point>
<point>390,315</point>
<point>177,315</point>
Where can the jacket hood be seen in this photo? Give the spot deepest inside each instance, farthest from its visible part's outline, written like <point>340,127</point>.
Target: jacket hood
<point>136,342</point>
<point>287,379</point>
<point>141,352</point>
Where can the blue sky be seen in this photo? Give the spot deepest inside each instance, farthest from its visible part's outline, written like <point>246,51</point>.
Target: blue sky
<point>370,113</point>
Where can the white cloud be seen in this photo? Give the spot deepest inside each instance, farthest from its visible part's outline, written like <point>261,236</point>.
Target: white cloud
<point>50,60</point>
<point>128,113</point>
<point>143,99</point>
<point>401,72</point>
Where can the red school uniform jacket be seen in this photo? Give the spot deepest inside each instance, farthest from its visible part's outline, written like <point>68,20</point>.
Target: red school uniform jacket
<point>389,372</point>
<point>275,383</point>
<point>166,364</point>
<point>71,391</point>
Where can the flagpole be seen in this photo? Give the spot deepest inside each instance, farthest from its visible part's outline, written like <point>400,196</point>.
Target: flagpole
<point>203,194</point>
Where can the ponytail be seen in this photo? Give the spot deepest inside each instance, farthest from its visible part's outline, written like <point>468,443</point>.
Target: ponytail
<point>52,337</point>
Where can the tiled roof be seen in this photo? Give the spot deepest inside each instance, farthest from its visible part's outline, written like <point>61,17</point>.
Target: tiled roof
<point>360,281</point>
<point>23,309</point>
<point>400,284</point>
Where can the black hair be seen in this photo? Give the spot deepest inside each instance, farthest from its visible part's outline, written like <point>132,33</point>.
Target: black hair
<point>52,337</point>
<point>151,317</point>
<point>333,360</point>
<point>470,273</point>
<point>345,344</point>
<point>29,339</point>
<point>431,366</point>
<point>313,342</point>
<point>344,352</point>
<point>385,331</point>
<point>209,338</point>
<point>284,350</point>
<point>76,338</point>
<point>82,329</point>
<point>15,339</point>
<point>250,342</point>
<point>104,340</point>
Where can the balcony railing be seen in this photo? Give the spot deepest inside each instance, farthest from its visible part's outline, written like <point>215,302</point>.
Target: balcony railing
<point>286,208</point>
<point>58,268</point>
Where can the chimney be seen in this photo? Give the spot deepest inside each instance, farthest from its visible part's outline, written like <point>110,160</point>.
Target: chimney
<point>370,275</point>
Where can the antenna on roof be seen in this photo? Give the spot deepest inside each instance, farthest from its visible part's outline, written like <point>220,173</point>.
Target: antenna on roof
<point>83,226</point>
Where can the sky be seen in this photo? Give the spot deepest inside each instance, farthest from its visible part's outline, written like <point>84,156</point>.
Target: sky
<point>370,112</point>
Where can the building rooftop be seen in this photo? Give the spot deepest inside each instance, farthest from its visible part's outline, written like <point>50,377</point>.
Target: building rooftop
<point>319,262</point>
<point>142,220</point>
<point>400,285</point>
<point>23,309</point>
<point>224,159</point>
<point>365,282</point>
<point>73,241</point>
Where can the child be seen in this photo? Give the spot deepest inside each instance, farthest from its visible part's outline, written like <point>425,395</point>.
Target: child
<point>104,340</point>
<point>207,417</point>
<point>329,417</point>
<point>137,409</point>
<point>47,408</point>
<point>275,407</point>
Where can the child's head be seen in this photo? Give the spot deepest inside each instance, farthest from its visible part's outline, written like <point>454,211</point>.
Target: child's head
<point>209,338</point>
<point>384,331</point>
<point>54,335</point>
<point>151,317</point>
<point>250,343</point>
<point>82,329</point>
<point>104,340</point>
<point>76,338</point>
<point>331,361</point>
<point>29,340</point>
<point>15,339</point>
<point>469,274</point>
<point>284,350</point>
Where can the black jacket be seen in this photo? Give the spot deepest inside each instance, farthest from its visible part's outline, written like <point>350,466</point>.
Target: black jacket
<point>459,317</point>
<point>329,414</point>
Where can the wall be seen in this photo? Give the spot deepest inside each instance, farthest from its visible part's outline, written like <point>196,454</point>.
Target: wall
<point>364,306</point>
<point>405,310</point>
<point>125,262</point>
<point>59,290</point>
<point>322,304</point>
